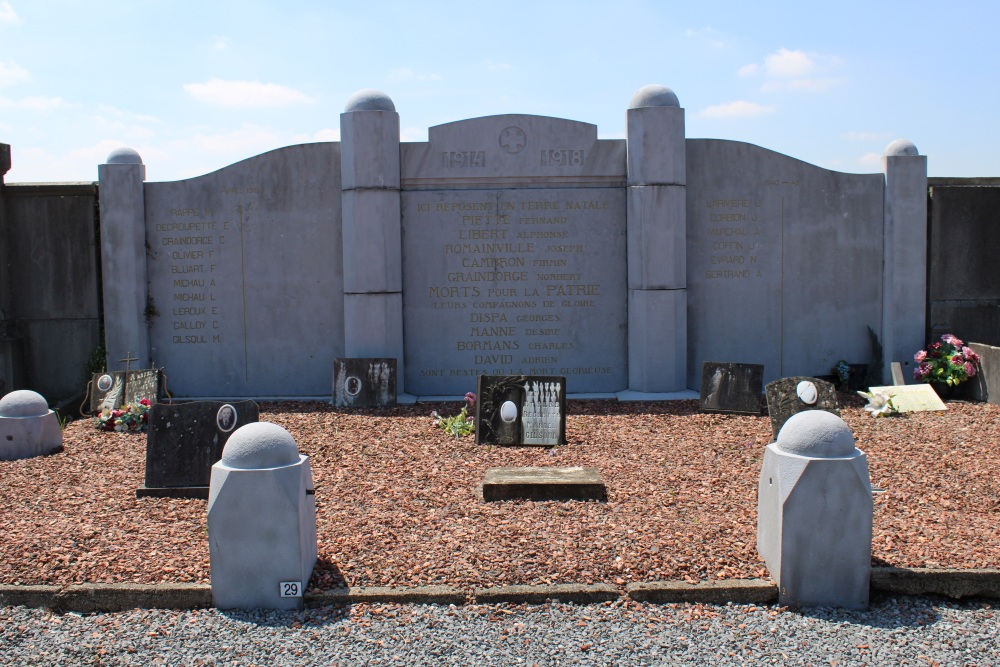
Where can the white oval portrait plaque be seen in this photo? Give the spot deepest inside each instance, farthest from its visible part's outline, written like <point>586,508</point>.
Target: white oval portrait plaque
<point>807,392</point>
<point>104,382</point>
<point>225,418</point>
<point>508,412</point>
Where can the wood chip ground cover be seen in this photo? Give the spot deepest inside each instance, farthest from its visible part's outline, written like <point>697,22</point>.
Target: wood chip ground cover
<point>399,502</point>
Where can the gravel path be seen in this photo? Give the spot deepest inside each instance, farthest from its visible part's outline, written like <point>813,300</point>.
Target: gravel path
<point>904,631</point>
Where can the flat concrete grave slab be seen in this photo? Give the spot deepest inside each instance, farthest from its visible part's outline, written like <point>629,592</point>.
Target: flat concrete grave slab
<point>364,383</point>
<point>912,397</point>
<point>792,395</point>
<point>543,484</point>
<point>521,410</point>
<point>731,388</point>
<point>185,440</point>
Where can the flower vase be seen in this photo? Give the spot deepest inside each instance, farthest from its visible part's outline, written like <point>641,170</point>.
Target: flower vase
<point>945,391</point>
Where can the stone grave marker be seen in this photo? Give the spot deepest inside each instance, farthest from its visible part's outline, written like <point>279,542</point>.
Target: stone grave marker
<point>364,383</point>
<point>897,374</point>
<point>985,386</point>
<point>142,384</point>
<point>521,410</point>
<point>543,484</point>
<point>792,395</point>
<point>185,440</point>
<point>107,390</point>
<point>731,388</point>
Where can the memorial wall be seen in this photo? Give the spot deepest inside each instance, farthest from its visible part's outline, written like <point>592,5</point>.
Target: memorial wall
<point>511,244</point>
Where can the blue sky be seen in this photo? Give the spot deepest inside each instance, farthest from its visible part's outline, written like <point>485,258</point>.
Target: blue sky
<point>194,86</point>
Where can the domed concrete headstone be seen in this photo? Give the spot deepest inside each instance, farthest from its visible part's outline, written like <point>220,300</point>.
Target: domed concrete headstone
<point>789,396</point>
<point>261,521</point>
<point>27,427</point>
<point>814,513</point>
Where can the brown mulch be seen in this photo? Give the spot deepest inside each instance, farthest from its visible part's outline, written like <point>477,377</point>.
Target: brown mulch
<point>399,502</point>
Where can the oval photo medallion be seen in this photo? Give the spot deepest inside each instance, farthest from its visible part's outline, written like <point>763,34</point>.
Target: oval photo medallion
<point>807,392</point>
<point>508,412</point>
<point>104,382</point>
<point>353,386</point>
<point>225,418</point>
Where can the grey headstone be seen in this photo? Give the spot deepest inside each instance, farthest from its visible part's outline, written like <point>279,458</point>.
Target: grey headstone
<point>783,399</point>
<point>897,374</point>
<point>364,383</point>
<point>184,440</point>
<point>107,391</point>
<point>731,388</point>
<point>985,386</point>
<point>521,410</point>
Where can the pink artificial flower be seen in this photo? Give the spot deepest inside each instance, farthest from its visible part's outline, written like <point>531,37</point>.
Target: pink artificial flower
<point>958,360</point>
<point>920,356</point>
<point>471,398</point>
<point>970,355</point>
<point>970,369</point>
<point>144,401</point>
<point>934,349</point>
<point>952,340</point>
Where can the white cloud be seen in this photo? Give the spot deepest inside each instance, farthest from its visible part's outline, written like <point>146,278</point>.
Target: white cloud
<point>814,85</point>
<point>329,134</point>
<point>710,35</point>
<point>497,67</point>
<point>11,72</point>
<point>736,109</point>
<point>786,69</point>
<point>221,44</point>
<point>870,160</point>
<point>239,94</point>
<point>866,136</point>
<point>789,64</point>
<point>32,103</point>
<point>7,13</point>
<point>405,74</point>
<point>243,142</point>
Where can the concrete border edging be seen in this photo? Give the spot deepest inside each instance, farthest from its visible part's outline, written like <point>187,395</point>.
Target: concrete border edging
<point>737,591</point>
<point>86,598</point>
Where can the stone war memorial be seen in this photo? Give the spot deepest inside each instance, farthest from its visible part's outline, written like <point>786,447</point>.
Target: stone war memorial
<point>511,245</point>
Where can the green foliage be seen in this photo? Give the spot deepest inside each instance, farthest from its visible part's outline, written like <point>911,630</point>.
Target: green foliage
<point>461,424</point>
<point>97,362</point>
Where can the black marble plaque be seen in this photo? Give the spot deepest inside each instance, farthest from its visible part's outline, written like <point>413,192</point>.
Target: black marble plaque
<point>521,410</point>
<point>783,399</point>
<point>184,441</point>
<point>142,384</point>
<point>364,383</point>
<point>731,388</point>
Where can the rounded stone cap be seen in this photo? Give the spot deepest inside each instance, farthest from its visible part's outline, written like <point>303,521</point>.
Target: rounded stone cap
<point>369,99</point>
<point>23,403</point>
<point>123,155</point>
<point>901,147</point>
<point>260,445</point>
<point>816,434</point>
<point>654,95</point>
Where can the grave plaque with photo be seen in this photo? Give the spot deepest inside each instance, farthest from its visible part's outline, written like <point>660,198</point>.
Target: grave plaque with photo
<point>792,395</point>
<point>731,388</point>
<point>107,391</point>
<point>364,383</point>
<point>521,410</point>
<point>142,384</point>
<point>185,440</point>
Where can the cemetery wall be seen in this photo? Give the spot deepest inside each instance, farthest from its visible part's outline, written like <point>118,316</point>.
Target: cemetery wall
<point>504,244</point>
<point>963,288</point>
<point>51,318</point>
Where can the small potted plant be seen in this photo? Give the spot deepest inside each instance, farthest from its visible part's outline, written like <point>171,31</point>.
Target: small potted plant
<point>945,365</point>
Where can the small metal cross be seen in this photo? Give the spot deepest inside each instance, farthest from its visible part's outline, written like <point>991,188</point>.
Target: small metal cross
<point>128,361</point>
